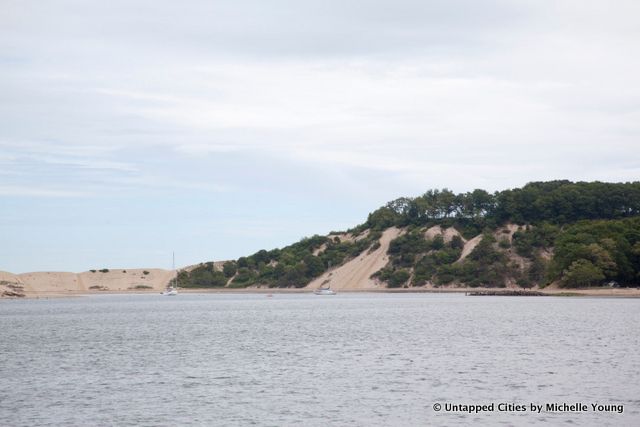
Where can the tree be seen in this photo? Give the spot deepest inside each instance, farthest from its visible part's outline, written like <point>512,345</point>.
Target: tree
<point>314,266</point>
<point>437,243</point>
<point>456,242</point>
<point>399,278</point>
<point>602,259</point>
<point>245,276</point>
<point>582,273</point>
<point>482,203</point>
<point>383,218</point>
<point>229,268</point>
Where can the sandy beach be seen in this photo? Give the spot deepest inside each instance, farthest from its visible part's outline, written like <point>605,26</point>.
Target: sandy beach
<point>585,292</point>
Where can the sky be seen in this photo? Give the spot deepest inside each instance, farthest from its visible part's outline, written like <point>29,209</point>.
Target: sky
<point>132,129</point>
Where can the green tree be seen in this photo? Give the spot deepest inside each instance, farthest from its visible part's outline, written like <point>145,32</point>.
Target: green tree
<point>229,268</point>
<point>399,278</point>
<point>314,266</point>
<point>582,273</point>
<point>245,277</point>
<point>457,242</point>
<point>383,218</point>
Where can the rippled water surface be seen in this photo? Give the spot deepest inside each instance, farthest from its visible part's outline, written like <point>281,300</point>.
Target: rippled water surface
<point>350,359</point>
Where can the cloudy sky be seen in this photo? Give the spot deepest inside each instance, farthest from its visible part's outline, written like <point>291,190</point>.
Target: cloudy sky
<point>130,129</point>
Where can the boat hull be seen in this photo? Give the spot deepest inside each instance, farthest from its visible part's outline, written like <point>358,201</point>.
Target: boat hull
<point>324,292</point>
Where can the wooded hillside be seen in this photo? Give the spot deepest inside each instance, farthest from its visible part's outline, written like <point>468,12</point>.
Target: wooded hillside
<point>571,234</point>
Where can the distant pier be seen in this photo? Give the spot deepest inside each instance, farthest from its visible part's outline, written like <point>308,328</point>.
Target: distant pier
<point>506,293</point>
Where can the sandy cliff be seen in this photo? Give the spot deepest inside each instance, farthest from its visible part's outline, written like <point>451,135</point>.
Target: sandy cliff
<point>356,273</point>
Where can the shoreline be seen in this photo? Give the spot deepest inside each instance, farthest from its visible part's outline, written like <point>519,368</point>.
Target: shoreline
<point>558,292</point>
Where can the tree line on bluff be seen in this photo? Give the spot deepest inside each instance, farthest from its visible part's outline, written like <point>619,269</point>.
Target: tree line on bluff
<point>575,234</point>
<point>557,202</point>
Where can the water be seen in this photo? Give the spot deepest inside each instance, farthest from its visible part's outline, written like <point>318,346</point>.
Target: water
<point>346,360</point>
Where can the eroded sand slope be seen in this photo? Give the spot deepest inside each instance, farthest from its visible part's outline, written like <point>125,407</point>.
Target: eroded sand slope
<point>356,274</point>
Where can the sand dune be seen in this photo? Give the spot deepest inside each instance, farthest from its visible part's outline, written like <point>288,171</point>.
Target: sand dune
<point>446,233</point>
<point>343,237</point>
<point>120,280</point>
<point>319,250</point>
<point>5,276</point>
<point>356,274</point>
<point>449,234</point>
<point>432,232</point>
<point>10,285</point>
<point>217,265</point>
<point>507,232</point>
<point>469,246</point>
<point>64,283</point>
<point>50,282</point>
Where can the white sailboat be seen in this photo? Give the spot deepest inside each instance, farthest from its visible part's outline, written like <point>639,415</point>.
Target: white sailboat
<point>172,290</point>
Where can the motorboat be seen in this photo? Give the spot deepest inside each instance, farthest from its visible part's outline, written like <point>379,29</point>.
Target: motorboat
<point>324,291</point>
<point>170,291</point>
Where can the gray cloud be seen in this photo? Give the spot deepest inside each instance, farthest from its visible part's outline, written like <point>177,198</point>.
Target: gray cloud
<point>285,27</point>
<point>222,104</point>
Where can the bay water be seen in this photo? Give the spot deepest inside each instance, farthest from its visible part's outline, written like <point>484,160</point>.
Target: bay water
<point>360,359</point>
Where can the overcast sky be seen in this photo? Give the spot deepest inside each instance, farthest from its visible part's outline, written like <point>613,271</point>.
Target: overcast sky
<point>131,129</point>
